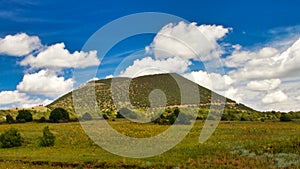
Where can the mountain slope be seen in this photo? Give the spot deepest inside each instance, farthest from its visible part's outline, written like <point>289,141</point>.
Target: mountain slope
<point>140,88</point>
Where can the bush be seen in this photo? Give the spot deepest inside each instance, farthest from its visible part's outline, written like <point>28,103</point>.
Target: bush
<point>170,115</point>
<point>42,119</point>
<point>245,118</point>
<point>11,138</point>
<point>59,115</point>
<point>24,116</point>
<point>48,138</point>
<point>105,116</point>
<point>231,116</point>
<point>87,116</point>
<point>285,117</point>
<point>108,114</point>
<point>9,119</point>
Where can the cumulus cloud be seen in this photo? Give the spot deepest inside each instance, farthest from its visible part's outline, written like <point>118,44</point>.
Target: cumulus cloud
<point>268,84</point>
<point>235,94</point>
<point>10,97</point>
<point>149,65</point>
<point>262,75</point>
<point>17,99</point>
<point>271,65</point>
<point>45,83</point>
<point>19,44</point>
<point>239,57</point>
<point>275,97</point>
<point>213,81</point>
<point>176,45</point>
<point>57,57</point>
<point>188,41</point>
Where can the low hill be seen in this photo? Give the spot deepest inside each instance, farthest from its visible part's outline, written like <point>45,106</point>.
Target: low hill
<point>140,88</point>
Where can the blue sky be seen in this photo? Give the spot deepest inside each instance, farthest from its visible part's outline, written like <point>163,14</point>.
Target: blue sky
<point>253,25</point>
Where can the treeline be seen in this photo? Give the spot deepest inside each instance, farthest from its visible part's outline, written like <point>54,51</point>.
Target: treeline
<point>237,115</point>
<point>171,115</point>
<point>23,116</point>
<point>165,116</point>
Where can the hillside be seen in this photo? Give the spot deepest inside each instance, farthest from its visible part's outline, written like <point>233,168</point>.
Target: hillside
<point>37,111</point>
<point>139,90</point>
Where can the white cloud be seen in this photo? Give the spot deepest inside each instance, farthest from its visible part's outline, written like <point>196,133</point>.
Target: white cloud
<point>271,69</point>
<point>34,102</point>
<point>21,100</point>
<point>188,41</point>
<point>45,83</point>
<point>213,32</point>
<point>268,84</point>
<point>10,97</point>
<point>175,45</point>
<point>109,76</point>
<point>213,81</point>
<point>222,84</point>
<point>19,44</point>
<point>235,94</point>
<point>56,57</point>
<point>148,65</point>
<point>239,58</point>
<point>275,97</point>
<point>270,64</point>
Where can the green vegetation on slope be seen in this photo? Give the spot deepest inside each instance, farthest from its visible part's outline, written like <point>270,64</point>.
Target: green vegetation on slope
<point>139,90</point>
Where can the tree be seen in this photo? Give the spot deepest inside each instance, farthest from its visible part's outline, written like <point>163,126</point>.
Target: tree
<point>285,117</point>
<point>171,115</point>
<point>42,119</point>
<point>48,138</point>
<point>24,116</point>
<point>11,138</point>
<point>59,115</point>
<point>9,119</point>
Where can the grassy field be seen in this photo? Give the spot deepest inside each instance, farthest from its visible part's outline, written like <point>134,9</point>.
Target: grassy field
<point>233,145</point>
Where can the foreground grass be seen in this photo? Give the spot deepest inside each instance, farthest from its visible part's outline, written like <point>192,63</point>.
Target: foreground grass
<point>233,145</point>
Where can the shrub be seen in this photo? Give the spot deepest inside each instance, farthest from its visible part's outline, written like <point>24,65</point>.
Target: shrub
<point>59,115</point>
<point>285,117</point>
<point>24,116</point>
<point>10,138</point>
<point>9,119</point>
<point>48,138</point>
<point>231,116</point>
<point>170,116</point>
<point>119,115</point>
<point>105,116</point>
<point>108,114</point>
<point>87,116</point>
<point>42,119</point>
<point>245,118</point>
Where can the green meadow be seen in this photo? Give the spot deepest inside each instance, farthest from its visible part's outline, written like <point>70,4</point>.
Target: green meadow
<point>233,145</point>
